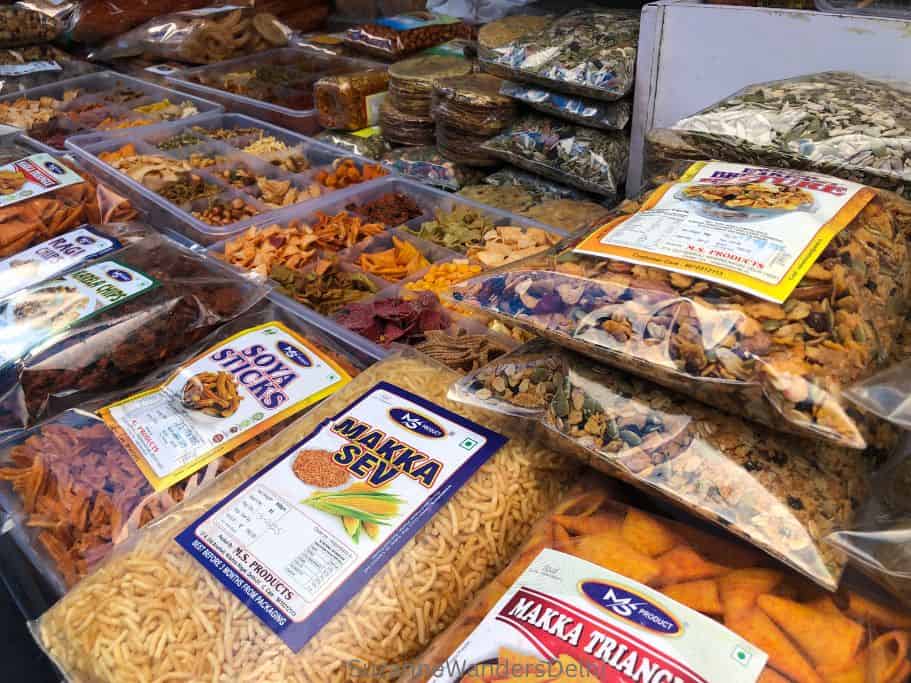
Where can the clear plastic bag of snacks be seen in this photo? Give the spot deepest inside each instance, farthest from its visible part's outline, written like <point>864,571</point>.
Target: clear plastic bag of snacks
<point>351,101</point>
<point>589,159</point>
<point>778,348</point>
<point>112,466</point>
<point>845,124</point>
<point>427,165</point>
<point>395,37</point>
<point>587,52</point>
<point>601,591</point>
<point>418,547</point>
<point>781,495</point>
<point>587,112</point>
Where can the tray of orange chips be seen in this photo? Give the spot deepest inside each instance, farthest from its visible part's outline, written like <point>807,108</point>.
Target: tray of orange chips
<point>605,592</point>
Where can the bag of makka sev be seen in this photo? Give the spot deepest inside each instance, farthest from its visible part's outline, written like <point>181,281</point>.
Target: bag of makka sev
<point>606,593</point>
<point>760,291</point>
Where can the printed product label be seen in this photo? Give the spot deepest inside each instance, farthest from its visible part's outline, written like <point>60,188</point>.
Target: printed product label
<point>569,619</point>
<point>32,315</point>
<point>221,399</point>
<point>161,69</point>
<point>755,229</point>
<point>404,22</point>
<point>52,257</point>
<point>300,538</point>
<point>373,103</point>
<point>29,68</point>
<point>33,176</point>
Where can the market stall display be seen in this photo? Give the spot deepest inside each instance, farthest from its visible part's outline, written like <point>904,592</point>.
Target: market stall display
<point>411,81</point>
<point>790,493</point>
<point>427,165</point>
<point>45,197</point>
<point>113,319</point>
<point>24,68</point>
<point>844,124</point>
<point>104,101</point>
<point>451,548</point>
<point>581,110</point>
<point>768,623</point>
<point>218,174</point>
<point>779,356</point>
<point>275,86</point>
<point>367,142</point>
<point>103,474</point>
<point>21,26</point>
<point>504,31</point>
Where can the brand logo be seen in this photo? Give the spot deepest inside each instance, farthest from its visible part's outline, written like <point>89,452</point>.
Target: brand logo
<point>630,607</point>
<point>119,275</point>
<point>85,240</point>
<point>54,168</point>
<point>294,354</point>
<point>417,423</point>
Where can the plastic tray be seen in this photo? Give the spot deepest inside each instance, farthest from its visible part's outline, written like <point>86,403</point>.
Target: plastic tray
<point>899,9</point>
<point>299,114</point>
<point>101,88</point>
<point>428,198</point>
<point>319,155</point>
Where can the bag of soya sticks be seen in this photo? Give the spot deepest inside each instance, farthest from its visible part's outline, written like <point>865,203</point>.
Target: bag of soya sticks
<point>336,550</point>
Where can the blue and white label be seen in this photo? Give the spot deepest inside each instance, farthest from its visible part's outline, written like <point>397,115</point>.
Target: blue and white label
<point>631,606</point>
<point>296,542</point>
<point>413,20</point>
<point>52,257</point>
<point>32,315</point>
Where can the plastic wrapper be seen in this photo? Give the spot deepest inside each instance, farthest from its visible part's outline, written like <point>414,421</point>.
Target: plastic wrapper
<point>603,572</point>
<point>367,142</point>
<point>878,541</point>
<point>589,159</point>
<point>73,337</point>
<point>886,394</point>
<point>587,112</point>
<point>405,129</point>
<point>351,101</point>
<point>504,31</point>
<point>411,81</point>
<point>201,36</point>
<point>85,451</point>
<point>570,214</point>
<point>412,591</point>
<point>21,26</point>
<point>542,188</point>
<point>427,165</point>
<point>587,52</point>
<point>833,122</point>
<point>35,65</point>
<point>780,495</point>
<point>35,219</point>
<point>782,364</point>
<point>394,37</point>
<point>329,44</point>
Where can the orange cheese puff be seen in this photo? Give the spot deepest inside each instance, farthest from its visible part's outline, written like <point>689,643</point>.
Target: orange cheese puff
<point>829,639</point>
<point>685,564</point>
<point>701,596</point>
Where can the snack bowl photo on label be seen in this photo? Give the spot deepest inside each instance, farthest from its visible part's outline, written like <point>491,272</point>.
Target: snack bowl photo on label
<point>746,201</point>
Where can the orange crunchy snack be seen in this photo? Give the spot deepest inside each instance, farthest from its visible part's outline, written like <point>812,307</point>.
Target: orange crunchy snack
<point>260,249</point>
<point>810,636</point>
<point>343,230</point>
<point>394,264</point>
<point>345,172</point>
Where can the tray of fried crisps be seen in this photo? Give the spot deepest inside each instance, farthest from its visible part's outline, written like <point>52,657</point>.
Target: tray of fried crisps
<point>781,494</point>
<point>182,623</point>
<point>677,601</point>
<point>783,363</point>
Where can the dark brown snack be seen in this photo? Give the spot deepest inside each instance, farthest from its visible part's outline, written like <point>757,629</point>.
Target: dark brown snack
<point>347,102</point>
<point>391,209</point>
<point>405,129</point>
<point>132,338</point>
<point>22,26</point>
<point>462,351</point>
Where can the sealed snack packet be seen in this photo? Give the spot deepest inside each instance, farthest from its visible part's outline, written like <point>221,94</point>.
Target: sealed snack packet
<point>351,101</point>
<point>605,592</point>
<point>378,514</point>
<point>65,251</point>
<point>199,36</point>
<point>796,289</point>
<point>589,52</point>
<point>591,160</point>
<point>581,110</point>
<point>28,67</point>
<point>24,26</point>
<point>782,495</point>
<point>366,142</point>
<point>42,196</point>
<point>98,327</point>
<point>832,122</point>
<point>120,461</point>
<point>879,541</point>
<point>404,34</point>
<point>427,165</point>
